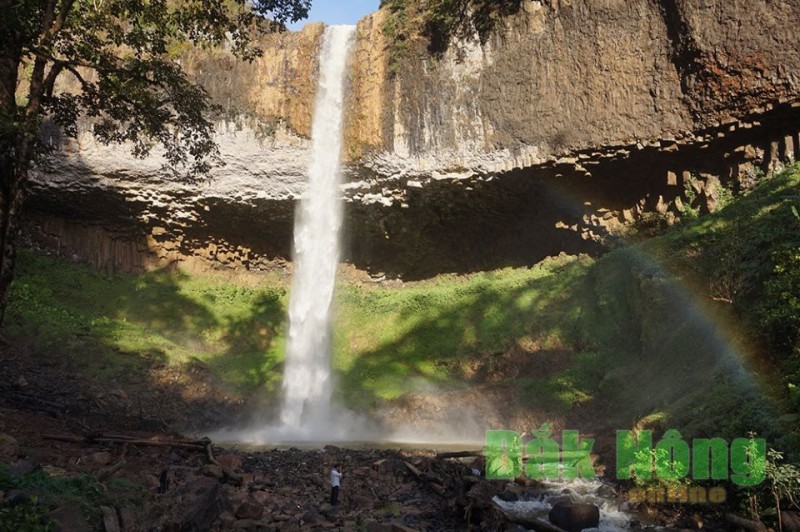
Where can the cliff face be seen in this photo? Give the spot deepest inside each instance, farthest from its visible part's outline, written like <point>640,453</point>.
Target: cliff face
<point>575,116</point>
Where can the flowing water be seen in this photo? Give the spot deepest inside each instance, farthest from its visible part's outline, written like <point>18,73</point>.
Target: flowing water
<point>613,513</point>
<point>307,377</point>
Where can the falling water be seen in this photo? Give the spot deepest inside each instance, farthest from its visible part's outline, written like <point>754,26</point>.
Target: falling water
<point>307,380</point>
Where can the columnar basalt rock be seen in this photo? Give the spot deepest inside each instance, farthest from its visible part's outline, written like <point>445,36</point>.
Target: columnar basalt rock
<point>573,118</point>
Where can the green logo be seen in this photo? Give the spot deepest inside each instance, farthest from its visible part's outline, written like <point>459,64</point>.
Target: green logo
<point>672,458</point>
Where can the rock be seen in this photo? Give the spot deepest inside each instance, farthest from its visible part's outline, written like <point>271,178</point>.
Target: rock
<point>311,517</point>
<point>261,496</point>
<point>16,497</point>
<point>230,461</point>
<point>193,506</point>
<point>127,519</point>
<point>110,519</point>
<point>790,521</point>
<point>151,482</point>
<point>399,527</point>
<point>246,524</point>
<point>361,501</point>
<point>69,518</point>
<point>249,509</point>
<point>509,496</point>
<point>574,517</point>
<point>102,458</point>
<point>226,518</point>
<point>374,526</point>
<point>212,470</point>
<point>327,510</point>
<point>24,467</point>
<point>9,448</point>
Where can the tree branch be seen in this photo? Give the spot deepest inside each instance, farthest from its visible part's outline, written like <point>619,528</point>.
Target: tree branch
<point>53,27</point>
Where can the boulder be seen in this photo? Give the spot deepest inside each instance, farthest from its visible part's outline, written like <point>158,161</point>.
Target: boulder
<point>127,519</point>
<point>9,448</point>
<point>102,458</point>
<point>249,509</point>
<point>24,467</point>
<point>69,518</point>
<point>230,461</point>
<point>374,526</point>
<point>311,517</point>
<point>790,521</point>
<point>212,470</point>
<point>193,506</point>
<point>574,517</point>
<point>246,524</point>
<point>110,519</point>
<point>17,497</point>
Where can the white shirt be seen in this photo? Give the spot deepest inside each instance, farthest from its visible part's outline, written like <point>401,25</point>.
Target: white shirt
<point>335,476</point>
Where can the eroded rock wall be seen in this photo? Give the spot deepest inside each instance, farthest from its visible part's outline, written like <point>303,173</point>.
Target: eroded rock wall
<point>573,118</point>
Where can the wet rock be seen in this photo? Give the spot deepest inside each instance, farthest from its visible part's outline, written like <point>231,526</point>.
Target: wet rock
<point>69,518</point>
<point>9,448</point>
<point>574,517</point>
<point>509,496</point>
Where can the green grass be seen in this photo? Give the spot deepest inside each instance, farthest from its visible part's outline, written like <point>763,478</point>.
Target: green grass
<point>51,491</point>
<point>392,341</point>
<point>389,341</point>
<point>687,324</point>
<point>108,326</point>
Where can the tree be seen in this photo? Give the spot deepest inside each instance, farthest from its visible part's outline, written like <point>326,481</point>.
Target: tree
<point>117,53</point>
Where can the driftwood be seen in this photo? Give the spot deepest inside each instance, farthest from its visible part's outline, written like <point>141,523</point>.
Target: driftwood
<point>459,454</point>
<point>233,478</point>
<point>433,482</point>
<point>108,472</point>
<point>89,440</point>
<point>747,524</point>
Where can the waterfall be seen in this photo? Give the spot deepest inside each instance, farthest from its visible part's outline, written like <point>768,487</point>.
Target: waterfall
<point>307,376</point>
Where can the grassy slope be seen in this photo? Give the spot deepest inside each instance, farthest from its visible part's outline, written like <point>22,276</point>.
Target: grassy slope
<point>664,328</point>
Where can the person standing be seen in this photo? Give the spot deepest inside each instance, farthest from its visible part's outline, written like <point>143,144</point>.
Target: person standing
<point>336,478</point>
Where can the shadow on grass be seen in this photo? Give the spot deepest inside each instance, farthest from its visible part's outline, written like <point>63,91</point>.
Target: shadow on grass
<point>440,338</point>
<point>165,336</point>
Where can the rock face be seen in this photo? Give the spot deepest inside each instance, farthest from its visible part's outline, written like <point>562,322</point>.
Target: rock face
<point>573,118</point>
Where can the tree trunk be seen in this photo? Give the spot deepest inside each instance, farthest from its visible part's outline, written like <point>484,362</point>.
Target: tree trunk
<point>11,199</point>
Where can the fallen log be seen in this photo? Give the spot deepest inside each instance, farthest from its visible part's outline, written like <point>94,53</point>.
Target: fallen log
<point>234,478</point>
<point>459,454</point>
<point>431,481</point>
<point>71,438</point>
<point>108,472</point>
